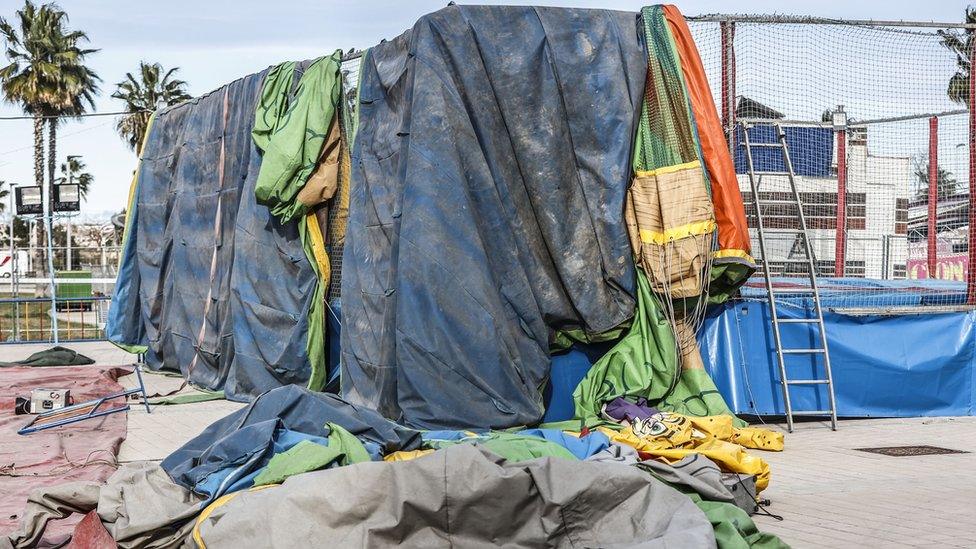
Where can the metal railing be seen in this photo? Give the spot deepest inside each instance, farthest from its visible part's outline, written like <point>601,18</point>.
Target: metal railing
<point>30,319</point>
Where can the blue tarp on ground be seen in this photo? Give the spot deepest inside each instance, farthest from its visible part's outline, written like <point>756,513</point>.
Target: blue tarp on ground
<point>811,150</point>
<point>488,181</point>
<point>884,366</point>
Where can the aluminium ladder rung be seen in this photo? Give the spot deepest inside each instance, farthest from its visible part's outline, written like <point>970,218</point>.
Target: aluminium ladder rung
<point>799,321</point>
<point>771,145</point>
<point>773,202</point>
<point>813,413</point>
<point>802,351</point>
<point>794,291</point>
<point>807,382</point>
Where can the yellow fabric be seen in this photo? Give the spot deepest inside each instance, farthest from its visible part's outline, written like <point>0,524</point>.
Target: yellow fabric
<point>677,233</point>
<point>763,439</point>
<point>671,437</point>
<point>217,503</point>
<point>406,455</point>
<point>670,222</point>
<point>318,248</point>
<point>668,169</point>
<point>733,253</point>
<point>133,185</point>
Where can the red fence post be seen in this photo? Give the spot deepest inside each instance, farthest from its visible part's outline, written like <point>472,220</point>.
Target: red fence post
<point>840,240</point>
<point>933,194</point>
<point>971,275</point>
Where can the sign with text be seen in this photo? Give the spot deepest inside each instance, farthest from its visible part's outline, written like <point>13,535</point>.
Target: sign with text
<point>952,267</point>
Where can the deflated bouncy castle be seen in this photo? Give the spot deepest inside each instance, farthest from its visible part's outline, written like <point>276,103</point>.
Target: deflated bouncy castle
<point>494,250</point>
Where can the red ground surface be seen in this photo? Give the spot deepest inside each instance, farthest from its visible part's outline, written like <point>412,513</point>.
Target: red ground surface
<point>81,451</point>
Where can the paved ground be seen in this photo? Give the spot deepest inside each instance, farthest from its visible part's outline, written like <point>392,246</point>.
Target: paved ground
<point>829,494</point>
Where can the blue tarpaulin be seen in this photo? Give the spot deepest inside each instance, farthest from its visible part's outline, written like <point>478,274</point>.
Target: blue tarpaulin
<point>883,366</point>
<point>811,150</point>
<point>488,181</point>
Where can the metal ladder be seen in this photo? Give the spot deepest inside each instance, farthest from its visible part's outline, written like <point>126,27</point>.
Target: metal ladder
<point>808,261</point>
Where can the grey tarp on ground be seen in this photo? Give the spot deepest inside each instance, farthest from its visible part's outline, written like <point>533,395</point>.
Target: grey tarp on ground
<point>463,496</point>
<point>291,407</point>
<point>489,173</point>
<point>210,281</point>
<point>139,506</point>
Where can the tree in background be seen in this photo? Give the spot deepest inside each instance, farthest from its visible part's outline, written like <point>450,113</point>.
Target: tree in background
<point>4,194</point>
<point>946,181</point>
<point>154,88</point>
<point>76,84</point>
<point>960,43</point>
<point>47,76</point>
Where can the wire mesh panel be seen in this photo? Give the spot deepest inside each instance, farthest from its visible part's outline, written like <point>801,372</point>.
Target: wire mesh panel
<point>338,212</point>
<point>871,114</point>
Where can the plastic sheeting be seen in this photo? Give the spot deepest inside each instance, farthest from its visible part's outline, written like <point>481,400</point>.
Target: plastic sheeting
<point>210,282</point>
<point>489,173</point>
<point>811,150</point>
<point>883,366</point>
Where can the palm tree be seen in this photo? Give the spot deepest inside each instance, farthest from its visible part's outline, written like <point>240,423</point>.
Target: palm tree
<point>29,79</point>
<point>4,193</point>
<point>46,76</point>
<point>154,88</point>
<point>77,86</point>
<point>962,45</point>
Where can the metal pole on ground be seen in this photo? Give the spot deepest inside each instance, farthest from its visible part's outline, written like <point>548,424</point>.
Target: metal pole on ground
<point>932,255</point>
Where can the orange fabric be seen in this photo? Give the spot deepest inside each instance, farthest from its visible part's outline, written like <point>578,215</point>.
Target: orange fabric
<point>733,232</point>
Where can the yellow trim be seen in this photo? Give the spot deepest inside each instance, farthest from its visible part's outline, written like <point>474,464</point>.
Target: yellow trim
<point>677,233</point>
<point>219,502</point>
<point>734,253</point>
<point>133,185</point>
<point>669,169</point>
<point>318,247</point>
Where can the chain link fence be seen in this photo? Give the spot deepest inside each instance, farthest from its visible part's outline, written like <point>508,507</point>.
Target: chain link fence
<point>872,112</point>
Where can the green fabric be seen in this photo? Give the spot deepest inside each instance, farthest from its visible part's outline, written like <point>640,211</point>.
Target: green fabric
<point>133,349</point>
<point>192,398</point>
<point>666,134</point>
<point>564,339</point>
<point>726,278</point>
<point>734,529</point>
<point>511,446</point>
<point>290,129</point>
<point>644,363</point>
<point>315,342</point>
<point>55,356</point>
<point>695,395</point>
<point>343,449</point>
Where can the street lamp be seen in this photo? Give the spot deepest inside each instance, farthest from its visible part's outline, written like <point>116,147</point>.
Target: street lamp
<point>67,198</point>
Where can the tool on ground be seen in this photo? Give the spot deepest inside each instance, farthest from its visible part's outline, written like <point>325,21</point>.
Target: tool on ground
<point>86,410</point>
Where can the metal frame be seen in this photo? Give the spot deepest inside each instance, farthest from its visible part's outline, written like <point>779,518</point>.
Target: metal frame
<point>810,20</point>
<point>92,413</point>
<point>781,352</point>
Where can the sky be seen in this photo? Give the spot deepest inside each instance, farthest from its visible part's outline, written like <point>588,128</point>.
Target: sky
<point>216,41</point>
